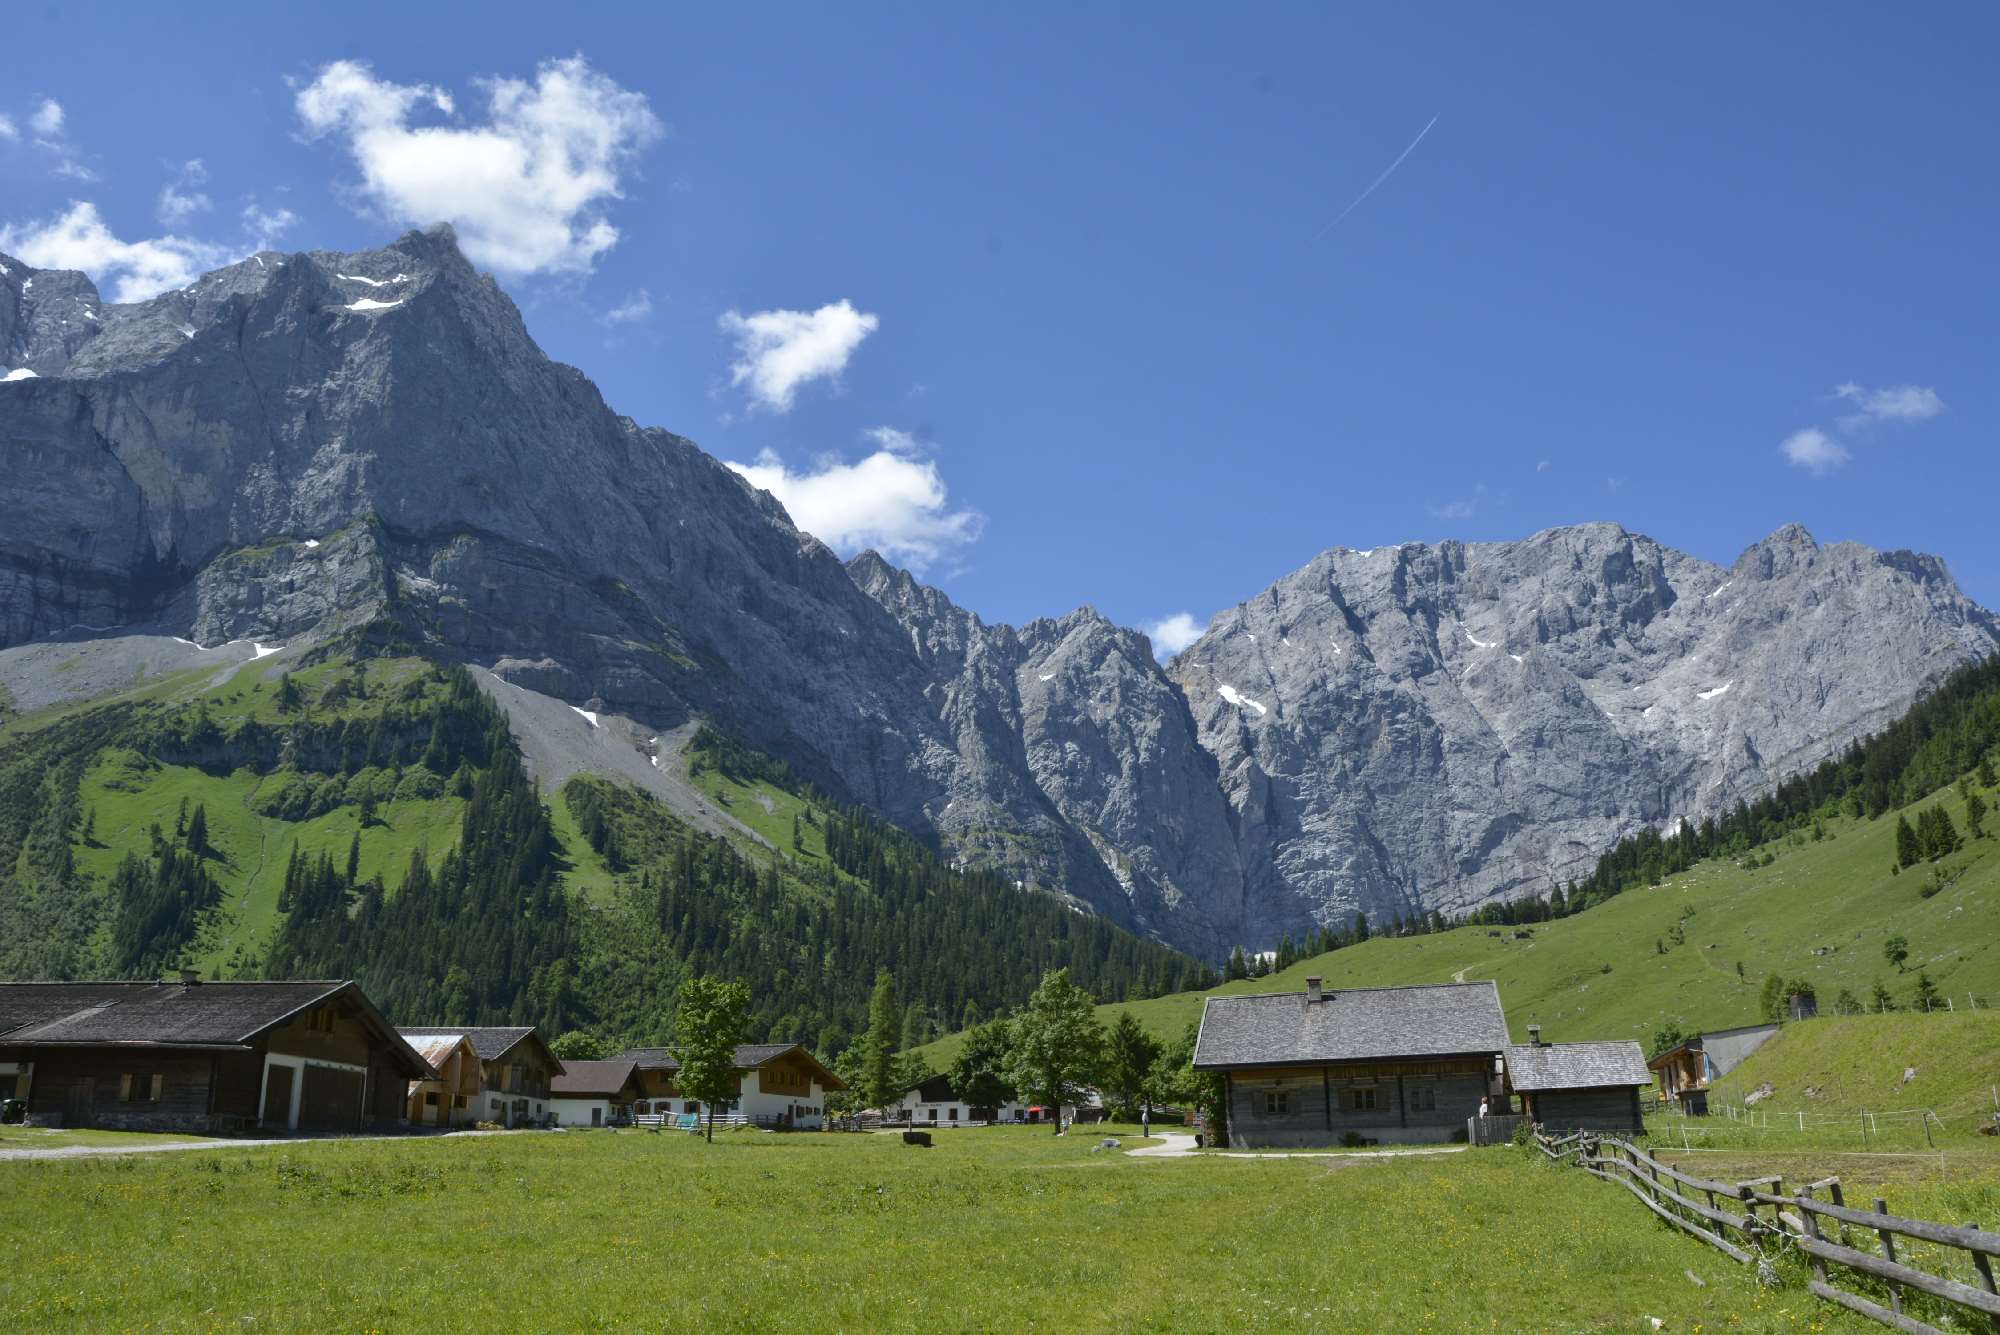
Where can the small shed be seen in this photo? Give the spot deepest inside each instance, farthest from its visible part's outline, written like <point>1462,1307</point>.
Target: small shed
<point>1579,1086</point>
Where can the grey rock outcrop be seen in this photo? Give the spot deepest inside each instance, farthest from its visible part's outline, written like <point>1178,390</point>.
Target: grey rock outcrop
<point>1414,728</point>
<point>299,445</point>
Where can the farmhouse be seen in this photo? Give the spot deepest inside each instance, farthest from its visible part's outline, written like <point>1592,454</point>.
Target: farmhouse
<point>594,1093</point>
<point>1379,1063</point>
<point>934,1103</point>
<point>195,1056</point>
<point>777,1085</point>
<point>1579,1086</point>
<point>515,1067</point>
<point>449,1098</point>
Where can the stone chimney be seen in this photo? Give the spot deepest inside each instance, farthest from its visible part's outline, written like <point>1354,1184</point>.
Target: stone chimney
<point>1534,1035</point>
<point>1312,990</point>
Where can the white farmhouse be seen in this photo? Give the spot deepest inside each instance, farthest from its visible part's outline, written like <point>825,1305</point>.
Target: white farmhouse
<point>935,1103</point>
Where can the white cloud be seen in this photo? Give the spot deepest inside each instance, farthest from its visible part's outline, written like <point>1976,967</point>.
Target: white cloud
<point>8,130</point>
<point>1454,510</point>
<point>181,198</point>
<point>1543,466</point>
<point>527,190</point>
<point>1172,634</point>
<point>1897,403</point>
<point>1814,450</point>
<point>48,118</point>
<point>79,239</point>
<point>893,500</point>
<point>777,351</point>
<point>636,306</point>
<point>263,227</point>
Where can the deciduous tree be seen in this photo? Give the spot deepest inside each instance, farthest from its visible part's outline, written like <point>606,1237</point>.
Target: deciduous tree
<point>1057,1042</point>
<point>708,1024</point>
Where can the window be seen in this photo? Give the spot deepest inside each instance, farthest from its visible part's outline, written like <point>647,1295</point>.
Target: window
<point>458,1101</point>
<point>140,1088</point>
<point>321,1020</point>
<point>954,1114</point>
<point>1423,1098</point>
<point>430,1099</point>
<point>1277,1102</point>
<point>1360,1098</point>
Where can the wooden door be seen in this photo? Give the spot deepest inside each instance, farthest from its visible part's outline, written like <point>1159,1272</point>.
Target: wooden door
<point>79,1101</point>
<point>278,1097</point>
<point>330,1100</point>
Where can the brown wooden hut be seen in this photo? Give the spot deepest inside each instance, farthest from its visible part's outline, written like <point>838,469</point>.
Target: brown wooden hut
<point>196,1056</point>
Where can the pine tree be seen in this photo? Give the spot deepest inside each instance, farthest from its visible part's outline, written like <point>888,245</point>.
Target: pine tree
<point>1360,927</point>
<point>197,832</point>
<point>1986,776</point>
<point>1926,996</point>
<point>1975,815</point>
<point>1908,849</point>
<point>885,1031</point>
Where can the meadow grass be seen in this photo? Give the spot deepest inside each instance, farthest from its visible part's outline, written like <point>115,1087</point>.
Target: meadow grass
<point>1821,912</point>
<point>997,1229</point>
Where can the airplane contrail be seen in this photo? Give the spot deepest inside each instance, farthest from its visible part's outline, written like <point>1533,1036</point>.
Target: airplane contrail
<point>1377,183</point>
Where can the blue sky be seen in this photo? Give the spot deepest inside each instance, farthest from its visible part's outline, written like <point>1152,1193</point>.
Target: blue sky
<point>1046,300</point>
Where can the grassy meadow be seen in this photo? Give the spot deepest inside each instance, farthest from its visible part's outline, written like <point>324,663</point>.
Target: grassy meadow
<point>995,1229</point>
<point>1821,911</point>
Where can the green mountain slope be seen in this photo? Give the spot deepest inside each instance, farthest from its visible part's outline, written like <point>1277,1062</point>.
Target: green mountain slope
<point>343,814</point>
<point>1834,1065</point>
<point>1820,911</point>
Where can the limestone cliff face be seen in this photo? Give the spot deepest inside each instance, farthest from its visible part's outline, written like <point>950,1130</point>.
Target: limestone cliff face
<point>1432,727</point>
<point>304,443</point>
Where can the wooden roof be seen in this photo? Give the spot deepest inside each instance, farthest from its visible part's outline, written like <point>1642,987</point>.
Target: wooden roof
<point>581,1080</point>
<point>1350,1024</point>
<point>492,1042</point>
<point>178,1015</point>
<point>1537,1066</point>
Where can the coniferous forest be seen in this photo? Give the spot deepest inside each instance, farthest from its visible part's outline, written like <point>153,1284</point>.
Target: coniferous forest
<point>491,929</point>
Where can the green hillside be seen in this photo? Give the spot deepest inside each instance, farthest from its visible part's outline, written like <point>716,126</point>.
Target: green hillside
<point>1834,1065</point>
<point>1696,949</point>
<point>344,814</point>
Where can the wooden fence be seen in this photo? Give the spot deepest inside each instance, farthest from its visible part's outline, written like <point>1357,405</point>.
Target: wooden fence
<point>1726,1215</point>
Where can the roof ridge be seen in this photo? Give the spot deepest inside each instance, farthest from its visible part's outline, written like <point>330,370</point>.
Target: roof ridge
<point>1493,983</point>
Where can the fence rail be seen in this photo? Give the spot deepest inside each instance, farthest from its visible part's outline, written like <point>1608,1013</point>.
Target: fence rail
<point>1825,1231</point>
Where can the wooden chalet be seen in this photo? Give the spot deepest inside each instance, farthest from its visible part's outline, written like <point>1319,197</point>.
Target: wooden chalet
<point>1579,1086</point>
<point>777,1085</point>
<point>1685,1070</point>
<point>449,1098</point>
<point>208,1057</point>
<point>515,1068</point>
<point>1378,1063</point>
<point>594,1093</point>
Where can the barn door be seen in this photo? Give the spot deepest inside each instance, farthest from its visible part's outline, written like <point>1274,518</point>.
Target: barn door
<point>79,1101</point>
<point>277,1096</point>
<point>330,1100</point>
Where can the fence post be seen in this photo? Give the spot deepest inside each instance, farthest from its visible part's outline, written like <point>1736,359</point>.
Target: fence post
<point>1842,1203</point>
<point>1811,1226</point>
<point>1889,1252</point>
<point>1864,1131</point>
<point>1985,1269</point>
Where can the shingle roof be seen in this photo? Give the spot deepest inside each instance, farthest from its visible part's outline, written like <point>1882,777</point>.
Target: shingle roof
<point>189,1015</point>
<point>1577,1065</point>
<point>937,1089</point>
<point>582,1079</point>
<point>176,1015</point>
<point>491,1043</point>
<point>1352,1024</point>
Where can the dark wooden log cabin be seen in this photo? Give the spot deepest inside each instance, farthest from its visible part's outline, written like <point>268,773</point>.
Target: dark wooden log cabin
<point>1388,1064</point>
<point>1579,1086</point>
<point>195,1056</point>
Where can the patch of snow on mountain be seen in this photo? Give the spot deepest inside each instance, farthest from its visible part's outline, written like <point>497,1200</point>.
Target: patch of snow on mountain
<point>263,650</point>
<point>1045,676</point>
<point>187,331</point>
<point>1240,700</point>
<point>588,717</point>
<point>370,304</point>
<point>1477,642</point>
<point>1710,695</point>
<point>1718,590</point>
<point>372,282</point>
<point>311,543</point>
<point>19,373</point>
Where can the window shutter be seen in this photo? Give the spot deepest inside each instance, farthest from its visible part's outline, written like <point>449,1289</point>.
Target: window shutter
<point>124,1089</point>
<point>159,1084</point>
